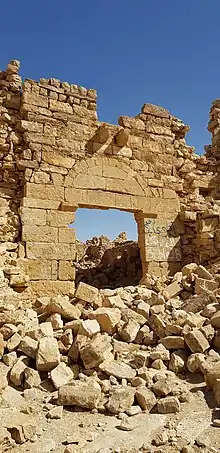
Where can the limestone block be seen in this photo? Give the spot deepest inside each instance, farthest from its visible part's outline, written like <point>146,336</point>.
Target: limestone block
<point>52,288</point>
<point>202,272</point>
<point>145,398</point>
<point>60,218</point>
<point>35,99</point>
<point>155,110</point>
<point>78,393</point>
<point>40,204</point>
<point>36,269</point>
<point>61,375</point>
<point>95,351</point>
<point>89,328</point>
<point>32,216</point>
<point>57,106</point>
<point>172,290</point>
<point>66,271</point>
<point>44,191</point>
<point>196,341</point>
<point>48,356</point>
<point>32,233</point>
<point>117,368</point>
<point>56,159</point>
<point>86,292</point>
<point>62,306</point>
<point>28,346</point>
<point>129,331</point>
<point>202,285</point>
<point>50,251</point>
<point>108,318</point>
<point>31,126</point>
<point>120,400</point>
<point>44,329</point>
<point>168,405</point>
<point>17,371</point>
<point>34,137</point>
<point>215,320</point>
<point>67,235</point>
<point>173,342</point>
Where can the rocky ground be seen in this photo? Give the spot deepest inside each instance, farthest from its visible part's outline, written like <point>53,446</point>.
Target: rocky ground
<point>134,369</point>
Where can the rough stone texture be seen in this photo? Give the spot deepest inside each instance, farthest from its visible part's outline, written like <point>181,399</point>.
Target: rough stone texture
<point>81,394</point>
<point>48,355</point>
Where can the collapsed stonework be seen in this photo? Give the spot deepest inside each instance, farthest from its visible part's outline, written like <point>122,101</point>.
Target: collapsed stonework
<point>56,156</point>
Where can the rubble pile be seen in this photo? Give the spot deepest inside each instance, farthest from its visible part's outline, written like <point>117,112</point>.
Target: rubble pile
<point>103,263</point>
<point>117,352</point>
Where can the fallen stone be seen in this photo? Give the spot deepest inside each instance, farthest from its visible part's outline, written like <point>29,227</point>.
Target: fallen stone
<point>172,290</point>
<point>215,320</point>
<point>173,342</point>
<point>95,351</point>
<point>61,375</point>
<point>89,327</point>
<point>55,413</point>
<point>120,400</point>
<point>62,306</point>
<point>108,318</point>
<point>48,356</point>
<point>28,346</point>
<point>196,341</point>
<point>189,269</point>
<point>145,398</point>
<point>83,394</point>
<point>143,309</point>
<point>13,342</point>
<point>31,378</point>
<point>113,302</point>
<point>125,425</point>
<point>162,387</point>
<point>3,376</point>
<point>202,272</point>
<point>56,321</point>
<point>202,285</point>
<point>159,352</point>
<point>45,329</point>
<point>168,405</point>
<point>10,359</point>
<point>129,331</point>
<point>86,292</point>
<point>178,361</point>
<point>17,371</point>
<point>117,368</point>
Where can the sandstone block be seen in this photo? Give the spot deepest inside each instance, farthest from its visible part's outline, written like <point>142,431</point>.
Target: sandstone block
<point>28,346</point>
<point>52,288</point>
<point>158,325</point>
<point>129,331</point>
<point>3,376</point>
<point>31,378</point>
<point>61,375</point>
<point>120,400</point>
<point>86,292</point>
<point>60,218</point>
<point>211,373</point>
<point>44,191</point>
<point>108,318</point>
<point>95,351</point>
<point>48,356</point>
<point>202,272</point>
<point>10,359</point>
<point>44,329</point>
<point>62,306</point>
<point>155,110</point>
<point>66,271</point>
<point>196,303</point>
<point>143,309</point>
<point>172,290</point>
<point>128,313</point>
<point>215,320</point>
<point>13,342</point>
<point>32,233</point>
<point>189,269</point>
<point>160,352</point>
<point>32,216</point>
<point>17,371</point>
<point>82,394</point>
<point>168,405</point>
<point>194,362</point>
<point>178,360</point>
<point>35,99</point>
<point>173,342</point>
<point>162,387</point>
<point>39,204</point>
<point>67,235</point>
<point>196,341</point>
<point>145,398</point>
<point>113,302</point>
<point>202,285</point>
<point>89,328</point>
<point>57,106</point>
<point>117,368</point>
<point>50,251</point>
<point>57,160</point>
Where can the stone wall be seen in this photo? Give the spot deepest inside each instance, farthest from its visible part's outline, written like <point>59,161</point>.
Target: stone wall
<point>56,157</point>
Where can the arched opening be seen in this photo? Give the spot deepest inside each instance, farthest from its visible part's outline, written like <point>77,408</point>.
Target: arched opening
<point>107,251</point>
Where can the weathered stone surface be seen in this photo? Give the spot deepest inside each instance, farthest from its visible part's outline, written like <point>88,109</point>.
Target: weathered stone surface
<point>86,292</point>
<point>168,405</point>
<point>48,356</point>
<point>95,351</point>
<point>145,398</point>
<point>89,327</point>
<point>62,306</point>
<point>120,400</point>
<point>173,342</point>
<point>61,375</point>
<point>118,369</point>
<point>83,394</point>
<point>196,341</point>
<point>108,318</point>
<point>202,285</point>
<point>28,346</point>
<point>129,331</point>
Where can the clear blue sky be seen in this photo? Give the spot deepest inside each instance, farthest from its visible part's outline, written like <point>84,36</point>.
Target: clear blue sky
<point>164,52</point>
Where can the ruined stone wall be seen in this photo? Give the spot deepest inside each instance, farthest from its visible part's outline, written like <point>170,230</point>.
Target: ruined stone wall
<point>56,157</point>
